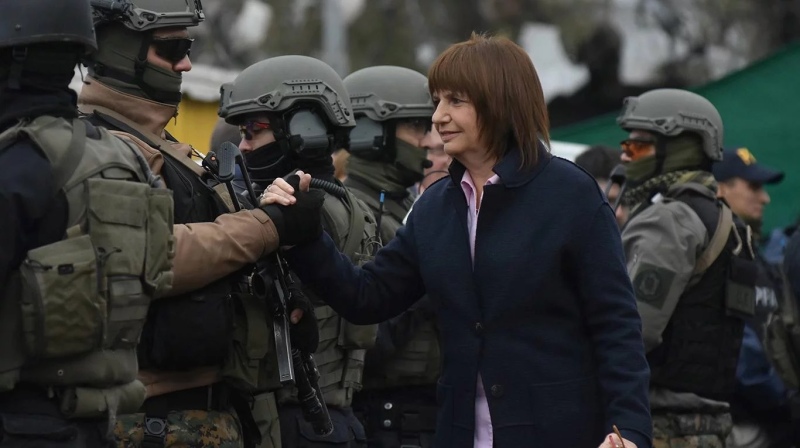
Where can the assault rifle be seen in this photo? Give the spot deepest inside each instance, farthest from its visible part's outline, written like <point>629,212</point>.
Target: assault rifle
<point>272,283</point>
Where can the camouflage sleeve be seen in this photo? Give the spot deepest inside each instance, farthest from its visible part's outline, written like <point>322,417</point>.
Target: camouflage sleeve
<point>661,246</point>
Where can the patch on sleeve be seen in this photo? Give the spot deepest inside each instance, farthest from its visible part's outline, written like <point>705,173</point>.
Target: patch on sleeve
<point>652,283</point>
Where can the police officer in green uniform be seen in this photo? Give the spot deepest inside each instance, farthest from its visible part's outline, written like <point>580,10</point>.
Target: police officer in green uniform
<point>293,111</point>
<point>200,368</point>
<point>393,118</point>
<point>690,261</point>
<point>77,270</point>
<point>393,110</point>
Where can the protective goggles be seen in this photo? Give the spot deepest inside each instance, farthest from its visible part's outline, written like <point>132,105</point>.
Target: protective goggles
<point>247,128</point>
<point>173,49</point>
<point>636,148</point>
<point>420,125</point>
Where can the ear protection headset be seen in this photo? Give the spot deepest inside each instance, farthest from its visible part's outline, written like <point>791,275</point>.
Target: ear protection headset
<point>306,134</point>
<point>373,141</point>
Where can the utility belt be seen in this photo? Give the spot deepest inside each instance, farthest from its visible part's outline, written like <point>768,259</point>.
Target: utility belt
<point>30,399</point>
<point>206,398</point>
<point>407,410</point>
<point>30,417</point>
<point>216,397</point>
<point>73,402</point>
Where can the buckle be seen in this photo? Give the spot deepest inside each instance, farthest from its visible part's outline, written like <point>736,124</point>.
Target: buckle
<point>155,432</point>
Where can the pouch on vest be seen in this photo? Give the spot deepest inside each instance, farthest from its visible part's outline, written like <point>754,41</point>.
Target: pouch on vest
<point>85,292</point>
<point>63,313</point>
<point>188,332</point>
<point>353,337</point>
<point>117,224</point>
<point>88,402</point>
<point>740,291</point>
<point>250,363</point>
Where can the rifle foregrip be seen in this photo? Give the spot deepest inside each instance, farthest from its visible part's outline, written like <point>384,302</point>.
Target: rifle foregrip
<point>312,403</point>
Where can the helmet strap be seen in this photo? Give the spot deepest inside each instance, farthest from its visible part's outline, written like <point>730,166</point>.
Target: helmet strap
<point>661,154</point>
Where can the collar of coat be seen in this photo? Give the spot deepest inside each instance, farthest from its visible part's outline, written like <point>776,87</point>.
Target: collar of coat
<point>509,168</point>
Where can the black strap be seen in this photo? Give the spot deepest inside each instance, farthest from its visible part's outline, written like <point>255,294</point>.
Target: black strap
<point>251,435</point>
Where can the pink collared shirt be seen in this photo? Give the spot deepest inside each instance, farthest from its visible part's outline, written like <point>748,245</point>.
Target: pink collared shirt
<point>483,419</point>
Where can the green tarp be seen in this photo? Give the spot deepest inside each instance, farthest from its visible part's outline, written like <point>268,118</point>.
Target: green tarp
<point>760,108</point>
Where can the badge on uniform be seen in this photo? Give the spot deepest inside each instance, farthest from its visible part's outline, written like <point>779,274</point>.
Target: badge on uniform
<point>652,283</point>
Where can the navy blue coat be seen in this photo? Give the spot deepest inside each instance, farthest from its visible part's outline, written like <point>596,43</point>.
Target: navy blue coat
<point>547,316</point>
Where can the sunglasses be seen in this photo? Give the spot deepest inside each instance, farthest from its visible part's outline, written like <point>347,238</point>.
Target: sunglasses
<point>173,49</point>
<point>247,128</point>
<point>636,148</point>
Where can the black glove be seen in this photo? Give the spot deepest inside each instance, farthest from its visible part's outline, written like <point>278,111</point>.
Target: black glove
<point>300,222</point>
<point>305,333</point>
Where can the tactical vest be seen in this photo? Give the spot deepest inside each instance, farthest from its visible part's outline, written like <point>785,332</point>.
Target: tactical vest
<point>392,212</point>
<point>782,342</point>
<point>75,309</point>
<point>194,329</point>
<point>417,363</point>
<point>701,342</point>
<point>342,345</point>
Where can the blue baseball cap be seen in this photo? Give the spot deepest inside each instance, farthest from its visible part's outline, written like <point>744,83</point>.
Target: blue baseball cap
<point>739,162</point>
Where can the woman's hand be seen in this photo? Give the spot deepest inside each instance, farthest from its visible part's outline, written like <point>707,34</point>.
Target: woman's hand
<point>281,193</point>
<point>294,209</point>
<point>612,441</point>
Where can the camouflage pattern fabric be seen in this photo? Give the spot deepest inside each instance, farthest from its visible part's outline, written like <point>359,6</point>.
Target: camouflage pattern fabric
<point>186,429</point>
<point>688,430</point>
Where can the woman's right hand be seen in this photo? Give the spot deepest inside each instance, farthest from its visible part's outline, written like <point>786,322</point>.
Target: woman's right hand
<point>281,193</point>
<point>294,209</point>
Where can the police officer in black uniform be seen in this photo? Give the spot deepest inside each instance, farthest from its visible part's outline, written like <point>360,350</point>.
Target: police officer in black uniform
<point>67,357</point>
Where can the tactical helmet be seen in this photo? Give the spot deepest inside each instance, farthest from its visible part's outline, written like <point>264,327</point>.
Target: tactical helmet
<point>670,112</point>
<point>144,15</point>
<point>388,92</point>
<point>39,21</point>
<point>278,84</point>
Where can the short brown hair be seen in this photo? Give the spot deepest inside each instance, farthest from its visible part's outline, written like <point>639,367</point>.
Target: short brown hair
<point>499,79</point>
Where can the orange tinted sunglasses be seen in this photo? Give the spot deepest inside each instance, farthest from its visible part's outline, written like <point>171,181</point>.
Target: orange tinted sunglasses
<point>635,148</point>
<point>247,128</point>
